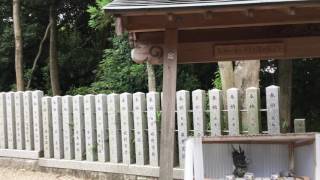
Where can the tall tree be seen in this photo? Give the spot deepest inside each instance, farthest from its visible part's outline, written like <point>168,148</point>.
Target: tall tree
<point>53,54</point>
<point>246,74</point>
<point>151,77</point>
<point>285,83</point>
<point>18,44</point>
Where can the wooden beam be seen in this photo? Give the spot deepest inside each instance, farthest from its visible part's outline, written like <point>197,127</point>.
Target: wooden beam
<point>207,52</point>
<point>168,108</point>
<point>225,19</point>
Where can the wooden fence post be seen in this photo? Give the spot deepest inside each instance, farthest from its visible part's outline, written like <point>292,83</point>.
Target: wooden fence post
<point>183,120</point>
<point>90,126</point>
<point>68,127</point>
<point>28,120</point>
<point>47,127</point>
<point>234,121</point>
<point>3,122</point>
<point>114,128</point>
<point>140,126</point>
<point>37,120</point>
<point>78,119</point>
<point>18,100</point>
<point>128,153</point>
<point>153,107</point>
<point>273,112</point>
<point>102,126</point>
<point>198,104</point>
<point>11,123</point>
<point>215,107</point>
<point>253,110</point>
<point>57,127</point>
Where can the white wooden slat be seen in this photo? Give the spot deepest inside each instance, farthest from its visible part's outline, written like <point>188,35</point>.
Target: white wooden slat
<point>11,123</point>
<point>273,112</point>
<point>183,120</point>
<point>18,101</point>
<point>189,165</point>
<point>198,105</point>
<point>102,126</point>
<point>28,120</point>
<point>317,156</point>
<point>68,127</point>
<point>215,108</point>
<point>57,127</point>
<point>253,110</point>
<point>90,127</point>
<point>114,128</point>
<point>127,128</point>
<point>153,114</point>
<point>234,120</point>
<point>37,120</point>
<point>78,119</point>
<point>198,159</point>
<point>47,127</point>
<point>3,122</point>
<point>140,126</point>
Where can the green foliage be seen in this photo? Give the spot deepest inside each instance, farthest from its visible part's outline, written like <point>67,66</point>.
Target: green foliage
<point>216,82</point>
<point>98,18</point>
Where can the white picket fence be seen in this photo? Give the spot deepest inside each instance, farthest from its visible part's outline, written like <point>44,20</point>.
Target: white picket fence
<point>120,133</point>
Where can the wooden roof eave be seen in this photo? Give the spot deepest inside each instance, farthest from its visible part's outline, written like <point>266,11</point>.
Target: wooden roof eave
<point>202,9</point>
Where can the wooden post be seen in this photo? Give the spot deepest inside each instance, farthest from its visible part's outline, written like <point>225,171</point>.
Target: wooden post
<point>78,119</point>
<point>169,92</point>
<point>18,100</point>
<point>253,110</point>
<point>3,122</point>
<point>215,107</point>
<point>28,120</point>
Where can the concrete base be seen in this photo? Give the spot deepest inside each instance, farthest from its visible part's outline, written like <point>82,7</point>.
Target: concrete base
<point>23,154</point>
<point>146,171</point>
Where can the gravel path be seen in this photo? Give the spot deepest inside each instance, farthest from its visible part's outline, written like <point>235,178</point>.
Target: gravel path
<point>22,174</point>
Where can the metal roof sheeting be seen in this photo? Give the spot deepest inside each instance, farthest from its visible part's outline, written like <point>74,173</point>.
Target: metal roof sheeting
<point>126,5</point>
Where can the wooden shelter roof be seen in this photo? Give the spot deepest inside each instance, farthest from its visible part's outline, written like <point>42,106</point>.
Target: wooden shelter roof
<point>121,6</point>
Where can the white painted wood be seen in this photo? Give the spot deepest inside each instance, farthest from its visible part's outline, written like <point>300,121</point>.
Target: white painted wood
<point>68,127</point>
<point>114,128</point>
<point>215,108</point>
<point>102,126</point>
<point>234,121</point>
<point>153,115</point>
<point>183,120</point>
<point>90,127</point>
<point>28,120</point>
<point>37,120</point>
<point>273,112</point>
<point>317,156</point>
<point>47,127</point>
<point>128,152</point>
<point>198,159</point>
<point>189,161</point>
<point>198,104</point>
<point>300,125</point>
<point>57,127</point>
<point>18,101</point>
<point>3,122</point>
<point>78,119</point>
<point>118,168</point>
<point>253,110</point>
<point>140,126</point>
<point>11,123</point>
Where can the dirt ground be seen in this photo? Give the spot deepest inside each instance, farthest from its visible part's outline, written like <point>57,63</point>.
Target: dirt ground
<point>22,174</point>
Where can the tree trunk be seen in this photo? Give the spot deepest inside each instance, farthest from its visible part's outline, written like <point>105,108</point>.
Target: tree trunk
<point>227,78</point>
<point>18,45</point>
<point>285,82</point>
<point>53,55</point>
<point>151,78</point>
<point>246,74</point>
